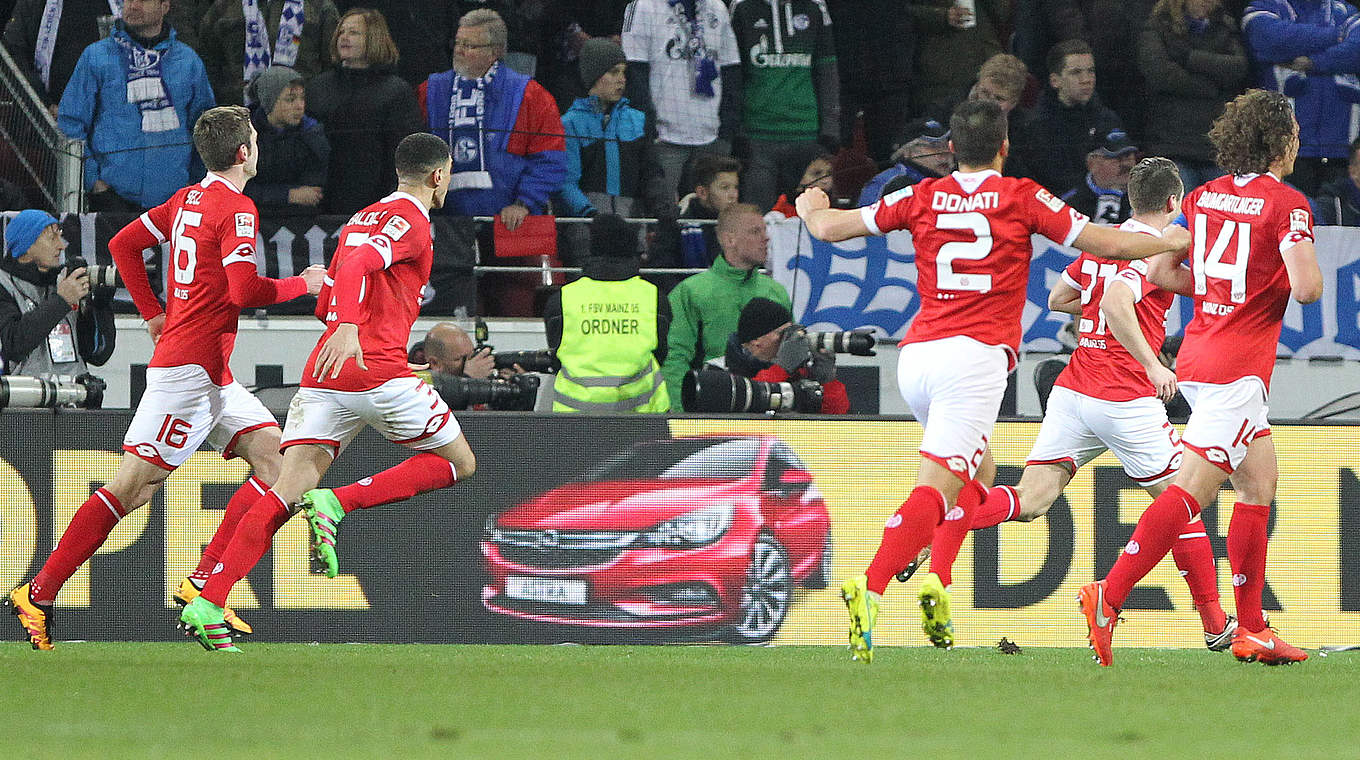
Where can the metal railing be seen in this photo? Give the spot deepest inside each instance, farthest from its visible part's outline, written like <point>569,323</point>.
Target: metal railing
<point>45,163</point>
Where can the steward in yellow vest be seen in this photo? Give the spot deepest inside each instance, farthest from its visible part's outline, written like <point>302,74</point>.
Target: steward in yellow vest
<point>609,329</point>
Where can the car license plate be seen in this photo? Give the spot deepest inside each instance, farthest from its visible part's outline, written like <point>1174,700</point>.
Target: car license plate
<point>553,590</point>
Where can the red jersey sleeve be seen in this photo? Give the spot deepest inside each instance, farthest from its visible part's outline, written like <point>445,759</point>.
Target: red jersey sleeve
<point>150,229</point>
<point>891,212</point>
<point>1049,216</point>
<point>245,287</point>
<point>1134,275</point>
<point>348,290</point>
<point>1071,274</point>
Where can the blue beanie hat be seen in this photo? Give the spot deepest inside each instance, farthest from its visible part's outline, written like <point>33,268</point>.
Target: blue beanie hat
<point>23,230</point>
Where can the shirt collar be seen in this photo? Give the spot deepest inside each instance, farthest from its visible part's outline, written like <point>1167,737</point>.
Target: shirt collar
<point>212,177</point>
<point>414,201</point>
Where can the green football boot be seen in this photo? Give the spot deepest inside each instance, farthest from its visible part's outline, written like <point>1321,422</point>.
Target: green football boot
<point>324,514</point>
<point>203,621</point>
<point>862,604</point>
<point>935,619</point>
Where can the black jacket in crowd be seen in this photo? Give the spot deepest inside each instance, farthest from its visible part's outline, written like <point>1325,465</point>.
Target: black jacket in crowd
<point>289,157</point>
<point>365,112</point>
<point>1338,202</point>
<point>422,31</point>
<point>76,30</point>
<point>21,334</point>
<point>1103,206</point>
<point>1054,138</point>
<point>1189,78</point>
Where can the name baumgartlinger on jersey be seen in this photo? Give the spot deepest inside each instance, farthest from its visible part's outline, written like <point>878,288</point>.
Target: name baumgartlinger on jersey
<point>1231,204</point>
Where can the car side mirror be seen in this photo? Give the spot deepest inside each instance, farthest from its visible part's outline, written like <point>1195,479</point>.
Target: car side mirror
<point>795,480</point>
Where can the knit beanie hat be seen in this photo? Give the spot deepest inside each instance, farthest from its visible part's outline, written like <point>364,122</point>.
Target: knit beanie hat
<point>23,230</point>
<point>760,316</point>
<point>598,56</point>
<point>269,84</point>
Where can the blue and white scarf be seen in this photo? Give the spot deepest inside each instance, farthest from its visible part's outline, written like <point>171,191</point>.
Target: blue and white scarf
<point>467,134</point>
<point>47,36</point>
<point>258,55</point>
<point>145,87</point>
<point>705,68</point>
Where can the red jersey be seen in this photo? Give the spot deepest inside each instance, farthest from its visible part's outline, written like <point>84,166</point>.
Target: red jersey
<point>972,238</point>
<point>1239,227</point>
<point>1101,367</point>
<point>211,227</point>
<point>397,229</point>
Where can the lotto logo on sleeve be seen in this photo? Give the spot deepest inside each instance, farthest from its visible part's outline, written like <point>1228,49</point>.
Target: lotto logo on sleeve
<point>396,227</point>
<point>245,225</point>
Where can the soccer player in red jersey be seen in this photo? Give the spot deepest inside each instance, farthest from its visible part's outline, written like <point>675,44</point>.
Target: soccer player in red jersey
<point>1110,395</point>
<point>971,231</point>
<point>190,395</point>
<point>357,375</point>
<point>1252,251</point>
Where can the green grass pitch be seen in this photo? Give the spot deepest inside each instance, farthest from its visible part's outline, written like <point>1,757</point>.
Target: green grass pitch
<point>137,700</point>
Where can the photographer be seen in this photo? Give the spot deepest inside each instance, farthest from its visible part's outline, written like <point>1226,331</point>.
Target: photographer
<point>50,322</point>
<point>609,329</point>
<point>450,350</point>
<point>768,347</point>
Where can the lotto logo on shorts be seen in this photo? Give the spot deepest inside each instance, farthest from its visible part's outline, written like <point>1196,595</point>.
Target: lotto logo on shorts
<point>1239,579</point>
<point>1132,548</point>
<point>147,450</point>
<point>1216,455</point>
<point>957,464</point>
<point>954,514</point>
<point>893,521</point>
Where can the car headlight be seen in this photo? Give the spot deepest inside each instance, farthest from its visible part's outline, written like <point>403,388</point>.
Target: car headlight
<point>696,528</point>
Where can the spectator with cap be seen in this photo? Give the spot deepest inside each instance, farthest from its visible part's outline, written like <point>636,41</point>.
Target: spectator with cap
<point>1051,143</point>
<point>238,39</point>
<point>609,329</point>
<point>1193,62</point>
<point>924,152</point>
<point>134,98</point>
<point>1338,202</point>
<point>705,307</point>
<point>1104,194</point>
<point>50,323</point>
<point>509,154</point>
<point>294,152</point>
<point>768,347</point>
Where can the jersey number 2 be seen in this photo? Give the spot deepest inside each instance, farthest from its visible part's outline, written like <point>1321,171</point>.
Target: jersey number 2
<point>975,250</point>
<point>184,257</point>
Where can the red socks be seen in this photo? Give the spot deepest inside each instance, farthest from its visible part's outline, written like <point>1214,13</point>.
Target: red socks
<point>87,532</point>
<point>240,504</point>
<point>1002,504</point>
<point>252,538</point>
<point>422,472</point>
<point>1156,533</point>
<point>905,534</point>
<point>949,534</point>
<point>1247,538</point>
<point>1195,559</point>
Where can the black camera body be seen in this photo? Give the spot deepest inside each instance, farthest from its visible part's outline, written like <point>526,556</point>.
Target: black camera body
<point>544,360</point>
<point>715,390</point>
<point>101,276</point>
<point>83,391</point>
<point>517,394</point>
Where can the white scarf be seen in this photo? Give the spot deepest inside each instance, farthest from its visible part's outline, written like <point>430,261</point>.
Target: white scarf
<point>258,55</point>
<point>47,36</point>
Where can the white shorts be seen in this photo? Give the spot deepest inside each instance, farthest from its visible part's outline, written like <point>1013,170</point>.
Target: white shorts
<point>182,408</point>
<point>1225,419</point>
<point>1078,428</point>
<point>404,410</point>
<point>958,382</point>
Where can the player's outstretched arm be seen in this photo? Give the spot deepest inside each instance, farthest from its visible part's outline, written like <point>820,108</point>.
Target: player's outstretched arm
<point>1064,298</point>
<point>1305,278</point>
<point>1118,307</point>
<point>825,223</point>
<point>126,248</point>
<point>1111,243</point>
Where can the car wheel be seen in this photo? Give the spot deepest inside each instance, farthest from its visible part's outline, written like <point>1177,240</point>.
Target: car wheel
<point>820,577</point>
<point>766,594</point>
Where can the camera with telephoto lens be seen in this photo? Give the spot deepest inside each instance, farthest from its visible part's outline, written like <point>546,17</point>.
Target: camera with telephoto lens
<point>84,391</point>
<point>101,276</point>
<point>544,360</point>
<point>519,393</point>
<point>857,342</point>
<point>715,390</point>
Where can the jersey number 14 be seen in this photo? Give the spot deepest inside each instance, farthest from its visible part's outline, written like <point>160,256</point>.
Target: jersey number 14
<point>1210,264</point>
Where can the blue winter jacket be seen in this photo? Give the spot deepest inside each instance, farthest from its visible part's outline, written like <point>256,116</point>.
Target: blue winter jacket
<point>143,167</point>
<point>1325,31</point>
<point>593,145</point>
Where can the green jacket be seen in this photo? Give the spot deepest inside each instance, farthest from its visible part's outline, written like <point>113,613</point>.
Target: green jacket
<point>704,312</point>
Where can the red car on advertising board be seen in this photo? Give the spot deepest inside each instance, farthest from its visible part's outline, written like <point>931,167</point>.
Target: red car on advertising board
<point>689,533</point>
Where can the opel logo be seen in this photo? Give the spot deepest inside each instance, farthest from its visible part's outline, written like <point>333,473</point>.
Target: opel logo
<point>546,540</point>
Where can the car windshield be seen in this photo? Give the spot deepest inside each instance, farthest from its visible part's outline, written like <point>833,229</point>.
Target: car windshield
<point>718,458</point>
